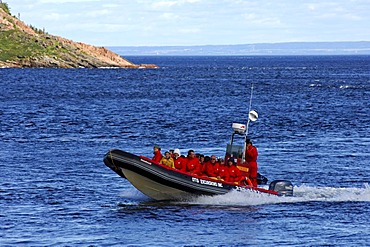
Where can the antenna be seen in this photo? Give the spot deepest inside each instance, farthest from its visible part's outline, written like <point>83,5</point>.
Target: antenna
<point>250,99</point>
<point>252,116</point>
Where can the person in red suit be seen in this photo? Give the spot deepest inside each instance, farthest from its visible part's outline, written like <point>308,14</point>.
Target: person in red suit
<point>251,154</point>
<point>235,175</point>
<point>180,162</point>
<point>211,168</point>
<point>192,163</point>
<point>223,172</point>
<point>157,154</point>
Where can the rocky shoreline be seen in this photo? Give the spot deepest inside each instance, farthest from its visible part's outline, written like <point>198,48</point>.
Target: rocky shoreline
<point>23,46</point>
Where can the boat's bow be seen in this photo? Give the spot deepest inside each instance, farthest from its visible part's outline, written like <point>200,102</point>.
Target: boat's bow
<point>160,182</point>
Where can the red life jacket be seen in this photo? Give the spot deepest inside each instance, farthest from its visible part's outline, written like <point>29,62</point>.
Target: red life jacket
<point>193,166</point>
<point>211,170</point>
<point>251,154</point>
<point>180,164</point>
<point>157,156</point>
<point>224,173</point>
<point>234,174</point>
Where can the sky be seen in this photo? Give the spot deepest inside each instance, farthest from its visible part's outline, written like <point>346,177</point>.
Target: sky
<point>197,22</point>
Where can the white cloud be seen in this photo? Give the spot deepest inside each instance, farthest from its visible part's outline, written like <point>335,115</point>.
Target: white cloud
<point>63,1</point>
<point>97,13</point>
<point>190,30</point>
<point>253,19</point>
<point>55,17</point>
<point>169,16</point>
<point>164,4</point>
<point>196,22</point>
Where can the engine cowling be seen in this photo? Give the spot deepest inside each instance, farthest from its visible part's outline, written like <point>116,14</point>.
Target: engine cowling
<point>283,187</point>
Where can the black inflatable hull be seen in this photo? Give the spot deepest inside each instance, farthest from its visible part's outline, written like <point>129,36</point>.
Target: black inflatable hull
<point>163,183</point>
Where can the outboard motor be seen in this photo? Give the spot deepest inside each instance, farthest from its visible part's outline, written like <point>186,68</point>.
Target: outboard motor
<point>283,187</point>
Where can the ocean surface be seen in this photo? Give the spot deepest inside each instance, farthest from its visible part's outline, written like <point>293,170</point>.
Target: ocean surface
<point>313,129</point>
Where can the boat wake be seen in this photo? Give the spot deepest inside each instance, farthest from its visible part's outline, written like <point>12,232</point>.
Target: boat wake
<point>132,197</point>
<point>301,194</point>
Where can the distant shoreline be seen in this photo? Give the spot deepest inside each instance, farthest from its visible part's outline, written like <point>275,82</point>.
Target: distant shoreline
<point>242,55</point>
<point>273,49</point>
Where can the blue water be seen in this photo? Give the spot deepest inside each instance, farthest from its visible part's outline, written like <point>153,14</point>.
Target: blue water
<point>313,129</point>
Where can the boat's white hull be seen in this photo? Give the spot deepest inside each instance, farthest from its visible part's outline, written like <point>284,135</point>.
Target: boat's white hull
<point>153,189</point>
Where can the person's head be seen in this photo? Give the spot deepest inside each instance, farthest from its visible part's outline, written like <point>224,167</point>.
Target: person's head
<point>221,161</point>
<point>156,148</point>
<point>230,162</point>
<point>201,158</point>
<point>206,158</point>
<point>191,153</point>
<point>248,142</point>
<point>176,153</point>
<point>213,159</point>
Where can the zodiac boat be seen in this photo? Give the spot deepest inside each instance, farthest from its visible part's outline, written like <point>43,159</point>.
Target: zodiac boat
<point>160,182</point>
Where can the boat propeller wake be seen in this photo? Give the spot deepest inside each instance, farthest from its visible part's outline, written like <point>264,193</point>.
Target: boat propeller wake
<point>234,198</point>
<point>301,194</point>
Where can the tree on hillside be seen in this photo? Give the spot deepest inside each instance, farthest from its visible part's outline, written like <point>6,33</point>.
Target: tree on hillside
<point>5,7</point>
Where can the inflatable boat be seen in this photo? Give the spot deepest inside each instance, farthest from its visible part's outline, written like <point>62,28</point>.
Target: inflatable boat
<point>161,182</point>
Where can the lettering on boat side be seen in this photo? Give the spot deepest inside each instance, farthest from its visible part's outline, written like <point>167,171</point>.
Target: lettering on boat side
<point>206,182</point>
<point>147,162</point>
<point>238,188</point>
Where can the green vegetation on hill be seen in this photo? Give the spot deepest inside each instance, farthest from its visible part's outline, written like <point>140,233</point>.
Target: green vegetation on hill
<point>16,44</point>
<point>23,46</point>
<point>5,7</point>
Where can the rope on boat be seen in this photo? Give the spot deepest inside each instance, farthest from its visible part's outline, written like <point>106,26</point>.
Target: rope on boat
<point>111,158</point>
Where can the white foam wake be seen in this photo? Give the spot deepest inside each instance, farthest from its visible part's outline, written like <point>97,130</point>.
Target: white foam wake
<point>133,197</point>
<point>301,194</point>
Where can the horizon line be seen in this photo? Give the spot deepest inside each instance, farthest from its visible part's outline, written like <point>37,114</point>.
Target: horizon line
<point>274,43</point>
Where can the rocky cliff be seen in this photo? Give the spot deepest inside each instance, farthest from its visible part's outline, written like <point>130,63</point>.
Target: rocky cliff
<point>25,46</point>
